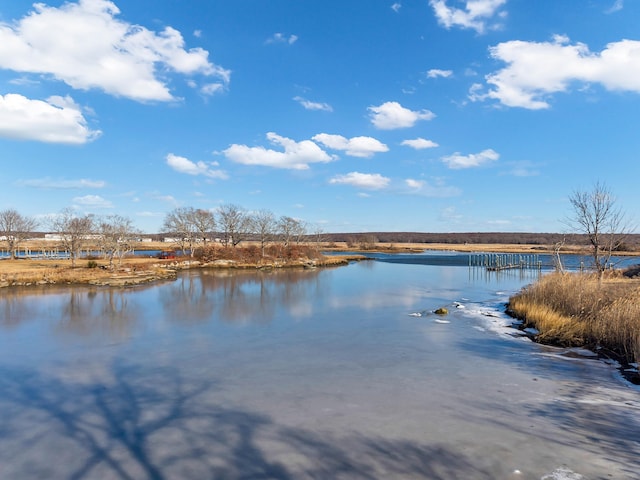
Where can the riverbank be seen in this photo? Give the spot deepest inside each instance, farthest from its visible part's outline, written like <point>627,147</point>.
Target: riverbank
<point>137,270</point>
<point>578,310</point>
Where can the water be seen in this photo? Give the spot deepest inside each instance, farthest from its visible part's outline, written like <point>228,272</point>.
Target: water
<point>305,374</point>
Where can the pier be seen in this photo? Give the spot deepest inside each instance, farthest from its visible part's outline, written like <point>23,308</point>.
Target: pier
<point>495,262</point>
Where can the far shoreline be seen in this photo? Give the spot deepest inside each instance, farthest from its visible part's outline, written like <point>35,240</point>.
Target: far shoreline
<point>139,269</point>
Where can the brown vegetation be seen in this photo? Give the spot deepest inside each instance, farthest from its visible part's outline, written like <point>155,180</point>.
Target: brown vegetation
<point>140,269</point>
<point>576,309</point>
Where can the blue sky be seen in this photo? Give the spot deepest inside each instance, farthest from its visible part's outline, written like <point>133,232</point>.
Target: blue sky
<point>429,115</point>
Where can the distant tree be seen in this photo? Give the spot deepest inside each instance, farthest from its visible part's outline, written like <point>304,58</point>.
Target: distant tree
<point>116,236</point>
<point>179,223</point>
<point>596,215</point>
<point>263,225</point>
<point>288,229</point>
<point>234,222</point>
<point>15,228</point>
<point>318,234</point>
<point>74,231</point>
<point>204,222</point>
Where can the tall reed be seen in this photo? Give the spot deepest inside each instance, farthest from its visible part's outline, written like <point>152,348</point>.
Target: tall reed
<point>576,309</point>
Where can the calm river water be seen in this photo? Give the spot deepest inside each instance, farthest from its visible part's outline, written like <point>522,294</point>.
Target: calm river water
<point>337,373</point>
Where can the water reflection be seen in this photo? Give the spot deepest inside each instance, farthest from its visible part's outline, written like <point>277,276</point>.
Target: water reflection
<point>161,424</point>
<point>241,296</point>
<point>195,297</point>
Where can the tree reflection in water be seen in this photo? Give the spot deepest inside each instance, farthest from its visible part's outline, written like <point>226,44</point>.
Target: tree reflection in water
<point>158,424</point>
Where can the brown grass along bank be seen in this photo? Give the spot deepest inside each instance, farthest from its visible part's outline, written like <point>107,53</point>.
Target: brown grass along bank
<point>575,309</point>
<point>136,270</point>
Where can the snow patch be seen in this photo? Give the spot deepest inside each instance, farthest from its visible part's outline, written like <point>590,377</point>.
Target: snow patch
<point>562,474</point>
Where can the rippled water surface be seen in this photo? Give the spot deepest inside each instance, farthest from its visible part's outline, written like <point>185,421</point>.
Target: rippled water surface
<point>324,374</point>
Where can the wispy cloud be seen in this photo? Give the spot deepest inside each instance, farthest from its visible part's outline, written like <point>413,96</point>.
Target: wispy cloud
<point>435,189</point>
<point>92,201</point>
<point>282,38</point>
<point>84,45</point>
<point>184,165</point>
<point>309,105</point>
<point>62,184</point>
<point>396,7</point>
<point>616,7</point>
<point>356,147</point>
<point>370,181</point>
<point>392,115</point>
<point>436,72</point>
<point>458,161</point>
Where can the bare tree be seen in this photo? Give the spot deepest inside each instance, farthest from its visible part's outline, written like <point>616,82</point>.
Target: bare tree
<point>179,223</point>
<point>204,222</point>
<point>288,228</point>
<point>234,222</point>
<point>596,215</point>
<point>318,233</point>
<point>15,228</point>
<point>116,236</point>
<point>74,231</point>
<point>263,224</point>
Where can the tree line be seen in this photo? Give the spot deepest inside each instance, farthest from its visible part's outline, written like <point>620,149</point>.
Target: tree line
<point>596,220</point>
<point>189,228</point>
<point>230,225</point>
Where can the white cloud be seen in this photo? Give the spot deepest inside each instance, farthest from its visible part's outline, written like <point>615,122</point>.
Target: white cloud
<point>281,38</point>
<point>62,184</point>
<point>85,46</point>
<point>364,147</point>
<point>309,105</point>
<point>536,70</point>
<point>392,115</point>
<point>94,201</point>
<point>296,155</point>
<point>209,89</point>
<point>57,120</point>
<point>475,15</point>
<point>435,189</point>
<point>449,214</point>
<point>372,181</point>
<point>419,143</point>
<point>458,161</point>
<point>616,7</point>
<point>523,169</point>
<point>184,165</point>
<point>436,72</point>
<point>396,7</point>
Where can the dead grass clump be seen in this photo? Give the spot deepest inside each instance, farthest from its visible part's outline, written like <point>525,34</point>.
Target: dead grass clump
<point>253,255</point>
<point>579,310</point>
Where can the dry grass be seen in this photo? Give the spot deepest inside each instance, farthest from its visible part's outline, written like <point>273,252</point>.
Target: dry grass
<point>578,310</point>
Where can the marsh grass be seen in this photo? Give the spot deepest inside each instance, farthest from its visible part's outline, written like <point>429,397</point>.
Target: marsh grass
<point>576,309</point>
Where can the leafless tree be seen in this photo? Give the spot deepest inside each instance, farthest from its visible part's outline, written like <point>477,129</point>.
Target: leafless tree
<point>179,223</point>
<point>15,228</point>
<point>318,234</point>
<point>204,222</point>
<point>116,237</point>
<point>596,215</point>
<point>74,231</point>
<point>288,228</point>
<point>263,225</point>
<point>234,222</point>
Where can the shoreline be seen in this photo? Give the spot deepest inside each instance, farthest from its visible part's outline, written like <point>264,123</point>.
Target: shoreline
<point>136,271</point>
